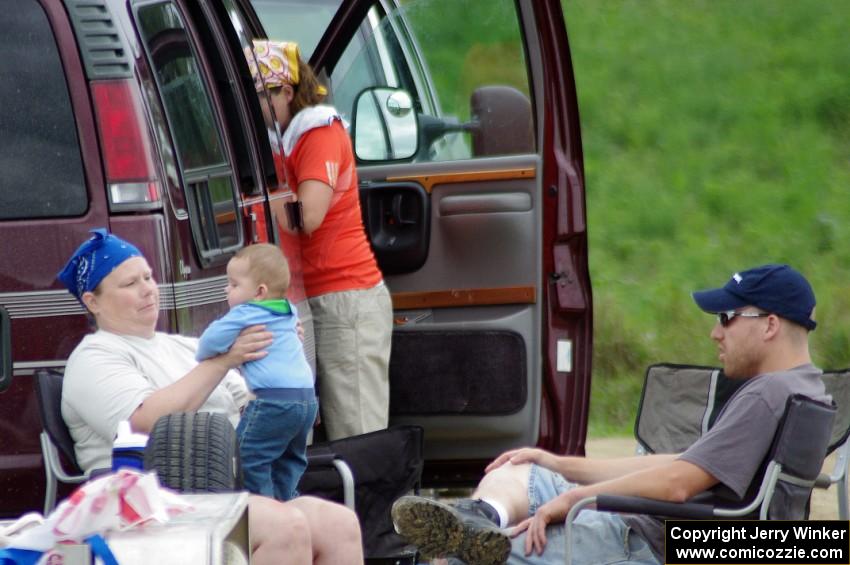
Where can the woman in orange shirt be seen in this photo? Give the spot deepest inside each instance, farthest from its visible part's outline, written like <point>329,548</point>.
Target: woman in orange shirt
<point>352,309</point>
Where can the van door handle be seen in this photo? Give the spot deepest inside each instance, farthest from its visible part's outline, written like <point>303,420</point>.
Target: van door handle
<point>5,350</point>
<point>396,214</point>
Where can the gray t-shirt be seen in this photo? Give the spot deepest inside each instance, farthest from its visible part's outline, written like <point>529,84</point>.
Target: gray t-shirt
<point>733,450</point>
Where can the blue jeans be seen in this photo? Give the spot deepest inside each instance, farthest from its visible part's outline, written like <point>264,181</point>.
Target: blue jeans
<point>272,438</point>
<point>599,538</point>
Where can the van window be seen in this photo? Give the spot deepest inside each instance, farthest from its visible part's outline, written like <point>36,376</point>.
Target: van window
<point>455,74</point>
<point>454,62</point>
<point>206,171</point>
<point>42,172</point>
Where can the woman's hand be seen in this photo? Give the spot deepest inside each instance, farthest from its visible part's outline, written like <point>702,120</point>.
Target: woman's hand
<point>249,346</point>
<point>554,511</point>
<point>190,391</point>
<point>525,455</point>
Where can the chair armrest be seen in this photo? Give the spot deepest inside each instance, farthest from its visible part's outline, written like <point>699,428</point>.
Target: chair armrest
<point>823,481</point>
<point>639,505</point>
<point>320,458</point>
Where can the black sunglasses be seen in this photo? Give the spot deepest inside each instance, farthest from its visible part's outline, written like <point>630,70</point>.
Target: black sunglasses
<point>725,318</point>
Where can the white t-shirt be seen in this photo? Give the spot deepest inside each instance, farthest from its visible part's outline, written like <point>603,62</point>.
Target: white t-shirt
<point>108,376</point>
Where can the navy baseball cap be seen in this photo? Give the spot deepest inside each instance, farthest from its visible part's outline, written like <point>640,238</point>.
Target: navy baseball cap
<point>777,289</point>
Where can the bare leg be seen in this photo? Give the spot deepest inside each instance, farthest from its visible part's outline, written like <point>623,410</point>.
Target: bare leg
<point>335,531</point>
<point>507,485</point>
<point>280,533</point>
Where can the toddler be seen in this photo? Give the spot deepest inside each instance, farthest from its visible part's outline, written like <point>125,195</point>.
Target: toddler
<point>275,425</point>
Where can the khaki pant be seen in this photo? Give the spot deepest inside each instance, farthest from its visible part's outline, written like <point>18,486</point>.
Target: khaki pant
<point>353,332</point>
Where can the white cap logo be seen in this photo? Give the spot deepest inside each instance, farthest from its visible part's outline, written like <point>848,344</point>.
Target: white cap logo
<point>737,278</point>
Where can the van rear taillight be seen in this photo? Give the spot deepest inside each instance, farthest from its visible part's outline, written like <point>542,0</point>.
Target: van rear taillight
<point>131,174</point>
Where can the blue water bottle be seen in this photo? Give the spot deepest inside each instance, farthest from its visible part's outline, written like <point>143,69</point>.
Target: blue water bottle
<point>129,448</point>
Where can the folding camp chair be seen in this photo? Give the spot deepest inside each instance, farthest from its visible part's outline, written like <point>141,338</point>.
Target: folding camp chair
<point>55,438</point>
<point>366,472</point>
<point>680,402</point>
<point>386,465</point>
<point>838,385</point>
<point>782,491</point>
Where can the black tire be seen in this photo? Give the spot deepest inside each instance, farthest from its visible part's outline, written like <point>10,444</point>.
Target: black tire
<point>195,452</point>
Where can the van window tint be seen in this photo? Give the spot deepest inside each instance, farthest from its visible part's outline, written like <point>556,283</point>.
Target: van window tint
<point>42,172</point>
<point>181,86</point>
<point>207,174</point>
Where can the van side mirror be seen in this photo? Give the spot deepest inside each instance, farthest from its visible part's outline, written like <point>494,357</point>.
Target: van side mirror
<point>384,126</point>
<point>504,124</point>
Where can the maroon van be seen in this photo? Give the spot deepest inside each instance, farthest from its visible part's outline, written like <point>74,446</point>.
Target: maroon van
<point>141,116</point>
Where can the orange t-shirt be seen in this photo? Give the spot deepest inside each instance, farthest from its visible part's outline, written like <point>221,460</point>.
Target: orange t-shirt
<point>337,255</point>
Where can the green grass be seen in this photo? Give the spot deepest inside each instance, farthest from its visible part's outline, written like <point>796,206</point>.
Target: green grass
<point>716,137</point>
<point>483,50</point>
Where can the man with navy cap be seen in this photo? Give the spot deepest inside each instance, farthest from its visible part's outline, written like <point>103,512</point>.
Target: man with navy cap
<point>764,316</point>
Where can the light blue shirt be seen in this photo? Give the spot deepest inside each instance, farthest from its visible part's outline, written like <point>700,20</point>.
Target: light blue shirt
<point>285,366</point>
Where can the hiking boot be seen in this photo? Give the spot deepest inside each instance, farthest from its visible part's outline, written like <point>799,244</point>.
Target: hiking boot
<point>441,530</point>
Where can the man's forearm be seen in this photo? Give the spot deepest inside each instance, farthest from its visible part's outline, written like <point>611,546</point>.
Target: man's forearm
<point>585,471</point>
<point>673,481</point>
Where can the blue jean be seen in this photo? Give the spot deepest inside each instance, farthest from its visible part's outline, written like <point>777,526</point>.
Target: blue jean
<point>599,538</point>
<point>272,437</point>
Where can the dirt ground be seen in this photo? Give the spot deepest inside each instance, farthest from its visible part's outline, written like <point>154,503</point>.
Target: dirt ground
<point>824,502</point>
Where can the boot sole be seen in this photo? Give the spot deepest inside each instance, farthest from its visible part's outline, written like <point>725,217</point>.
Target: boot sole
<point>438,530</point>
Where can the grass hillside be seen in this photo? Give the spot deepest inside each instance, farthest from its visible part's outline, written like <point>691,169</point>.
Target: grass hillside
<point>716,137</point>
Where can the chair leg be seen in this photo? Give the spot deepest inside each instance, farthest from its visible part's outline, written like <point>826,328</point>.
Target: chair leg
<point>347,482</point>
<point>50,494</point>
<point>839,476</point>
<point>50,485</point>
<point>568,527</point>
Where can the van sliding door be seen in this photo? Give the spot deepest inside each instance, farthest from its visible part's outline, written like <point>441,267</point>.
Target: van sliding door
<point>461,123</point>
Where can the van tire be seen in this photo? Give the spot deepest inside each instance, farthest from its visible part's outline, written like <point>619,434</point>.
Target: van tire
<point>195,452</point>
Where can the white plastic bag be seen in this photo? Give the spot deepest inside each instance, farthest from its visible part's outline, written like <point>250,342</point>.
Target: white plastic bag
<point>118,501</point>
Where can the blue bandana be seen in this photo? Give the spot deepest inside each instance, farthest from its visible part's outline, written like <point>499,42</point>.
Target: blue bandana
<point>94,260</point>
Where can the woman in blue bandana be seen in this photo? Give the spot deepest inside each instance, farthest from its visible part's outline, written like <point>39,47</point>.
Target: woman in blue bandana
<point>126,370</point>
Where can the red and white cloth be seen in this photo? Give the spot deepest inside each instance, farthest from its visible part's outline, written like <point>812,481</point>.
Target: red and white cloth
<point>115,502</point>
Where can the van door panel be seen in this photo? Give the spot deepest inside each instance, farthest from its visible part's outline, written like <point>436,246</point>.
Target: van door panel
<point>484,204</point>
<point>464,360</point>
<point>397,218</point>
<point>483,232</point>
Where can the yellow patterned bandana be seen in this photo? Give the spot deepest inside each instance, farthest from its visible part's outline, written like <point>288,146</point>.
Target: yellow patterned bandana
<point>275,63</point>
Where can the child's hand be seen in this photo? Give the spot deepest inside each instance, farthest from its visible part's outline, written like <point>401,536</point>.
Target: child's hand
<point>299,329</point>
